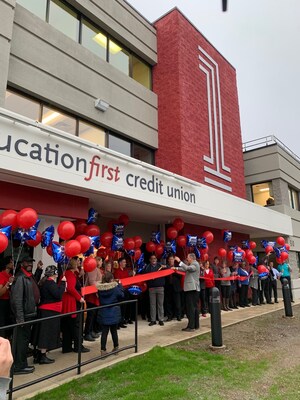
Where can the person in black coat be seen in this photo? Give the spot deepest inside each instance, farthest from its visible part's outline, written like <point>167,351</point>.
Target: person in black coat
<point>109,292</point>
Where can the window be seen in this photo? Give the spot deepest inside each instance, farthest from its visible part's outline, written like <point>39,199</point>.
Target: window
<point>36,7</point>
<point>294,198</point>
<point>262,194</point>
<point>58,120</point>
<point>93,39</point>
<point>118,57</point>
<point>120,145</point>
<point>91,133</point>
<point>22,105</point>
<point>142,153</point>
<point>141,72</point>
<point>64,19</point>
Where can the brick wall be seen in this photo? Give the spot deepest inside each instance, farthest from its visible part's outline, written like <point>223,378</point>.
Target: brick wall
<point>183,118</point>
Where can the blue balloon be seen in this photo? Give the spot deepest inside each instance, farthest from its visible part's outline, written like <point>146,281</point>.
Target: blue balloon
<point>140,263</point>
<point>134,290</point>
<point>197,252</point>
<point>27,234</point>
<point>227,236</point>
<point>117,243</point>
<point>191,240</point>
<point>265,243</point>
<point>201,243</point>
<point>277,252</point>
<point>92,217</point>
<point>171,247</point>
<point>283,248</point>
<point>245,244</point>
<point>237,256</point>
<point>155,237</point>
<point>232,248</point>
<point>95,241</point>
<point>47,236</point>
<point>58,253</point>
<point>118,230</point>
<point>6,231</point>
<point>263,274</point>
<point>130,252</point>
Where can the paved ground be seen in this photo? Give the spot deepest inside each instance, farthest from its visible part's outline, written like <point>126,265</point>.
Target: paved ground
<point>148,337</point>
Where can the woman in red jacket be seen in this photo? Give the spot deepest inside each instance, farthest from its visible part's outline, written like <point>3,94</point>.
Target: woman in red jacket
<point>208,275</point>
<point>71,301</point>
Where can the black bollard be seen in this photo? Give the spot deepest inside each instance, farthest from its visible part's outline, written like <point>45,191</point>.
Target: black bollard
<point>287,298</point>
<point>215,318</point>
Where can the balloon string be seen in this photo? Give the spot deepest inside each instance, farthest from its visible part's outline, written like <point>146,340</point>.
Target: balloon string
<point>18,257</point>
<point>12,248</point>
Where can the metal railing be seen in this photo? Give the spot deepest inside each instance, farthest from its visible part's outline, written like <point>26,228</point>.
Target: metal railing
<point>79,363</point>
<point>268,141</point>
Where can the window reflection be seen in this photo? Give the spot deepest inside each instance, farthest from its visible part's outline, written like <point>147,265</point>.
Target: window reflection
<point>93,39</point>
<point>91,133</point>
<point>263,194</point>
<point>36,7</point>
<point>120,145</point>
<point>64,19</point>
<point>142,153</point>
<point>22,105</point>
<point>58,120</point>
<point>118,57</point>
<point>141,72</point>
<point>294,198</point>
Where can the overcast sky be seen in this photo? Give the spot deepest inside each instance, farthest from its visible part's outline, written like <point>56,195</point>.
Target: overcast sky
<point>261,39</point>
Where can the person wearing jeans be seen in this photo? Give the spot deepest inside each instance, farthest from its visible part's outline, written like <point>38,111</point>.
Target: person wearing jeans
<point>285,271</point>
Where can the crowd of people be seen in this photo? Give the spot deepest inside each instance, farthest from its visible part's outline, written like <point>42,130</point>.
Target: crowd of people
<point>57,290</point>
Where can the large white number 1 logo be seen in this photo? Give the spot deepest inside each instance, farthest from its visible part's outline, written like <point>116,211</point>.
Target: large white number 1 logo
<point>215,125</point>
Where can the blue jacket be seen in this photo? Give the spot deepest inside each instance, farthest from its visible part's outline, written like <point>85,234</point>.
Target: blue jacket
<point>243,273</point>
<point>110,293</point>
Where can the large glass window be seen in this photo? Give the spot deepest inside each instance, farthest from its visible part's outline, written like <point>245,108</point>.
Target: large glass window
<point>142,153</point>
<point>118,57</point>
<point>91,133</point>
<point>36,7</point>
<point>93,39</point>
<point>58,120</point>
<point>64,19</point>
<point>22,105</point>
<point>262,194</point>
<point>120,145</point>
<point>294,198</point>
<point>141,72</point>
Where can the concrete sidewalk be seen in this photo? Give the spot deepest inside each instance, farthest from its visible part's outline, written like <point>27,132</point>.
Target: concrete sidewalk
<point>148,337</point>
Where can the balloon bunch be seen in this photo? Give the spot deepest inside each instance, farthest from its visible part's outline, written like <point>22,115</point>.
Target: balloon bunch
<point>236,253</point>
<point>281,251</point>
<point>199,245</point>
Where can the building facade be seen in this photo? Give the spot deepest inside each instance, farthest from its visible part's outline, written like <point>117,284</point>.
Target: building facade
<point>100,108</point>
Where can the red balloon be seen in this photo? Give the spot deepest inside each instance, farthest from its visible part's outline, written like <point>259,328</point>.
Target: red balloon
<point>123,219</point>
<point>288,247</point>
<point>80,226</point>
<point>49,248</point>
<point>252,260</point>
<point>137,254</point>
<point>106,239</point>
<point>72,248</point>
<point>159,249</point>
<point>111,223</point>
<point>204,251</point>
<point>222,252</point>
<point>138,241</point>
<point>280,240</point>
<point>279,260</point>
<point>248,253</point>
<point>102,252</point>
<point>26,218</point>
<point>89,264</point>
<point>37,241</point>
<point>9,218</point>
<point>181,241</point>
<point>129,244</point>
<point>284,255</point>
<point>239,249</point>
<point>150,247</point>
<point>111,253</point>
<point>204,257</point>
<point>92,230</point>
<point>269,249</point>
<point>208,236</point>
<point>243,254</point>
<point>252,245</point>
<point>85,242</point>
<point>172,232</point>
<point>262,268</point>
<point>230,255</point>
<point>66,230</point>
<point>3,242</point>
<point>178,224</point>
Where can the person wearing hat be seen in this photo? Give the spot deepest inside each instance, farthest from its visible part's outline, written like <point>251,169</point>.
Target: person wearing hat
<point>6,280</point>
<point>50,305</point>
<point>25,295</point>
